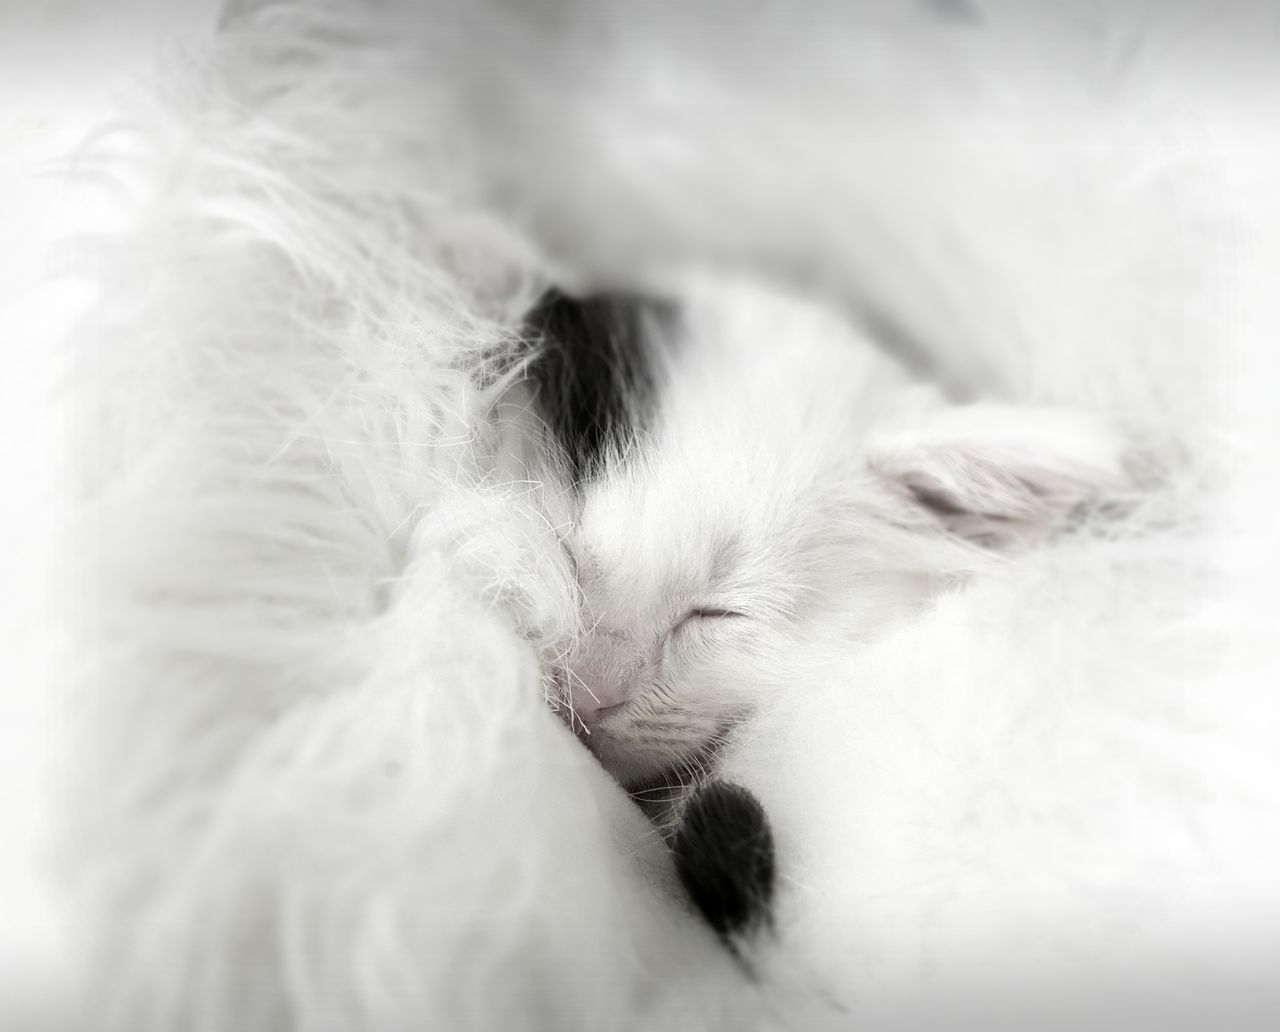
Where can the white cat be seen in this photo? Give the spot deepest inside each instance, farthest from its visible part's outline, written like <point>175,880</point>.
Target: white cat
<point>793,491</point>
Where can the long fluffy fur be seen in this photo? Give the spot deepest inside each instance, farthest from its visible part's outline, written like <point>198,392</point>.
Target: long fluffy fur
<point>313,783</point>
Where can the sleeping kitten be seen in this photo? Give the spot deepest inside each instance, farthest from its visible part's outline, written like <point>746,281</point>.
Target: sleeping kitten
<point>758,481</point>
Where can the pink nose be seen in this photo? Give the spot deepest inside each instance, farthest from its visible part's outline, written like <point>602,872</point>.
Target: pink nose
<point>593,699</point>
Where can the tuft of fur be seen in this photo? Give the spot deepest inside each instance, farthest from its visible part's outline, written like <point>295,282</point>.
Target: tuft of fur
<point>724,856</point>
<point>315,584</point>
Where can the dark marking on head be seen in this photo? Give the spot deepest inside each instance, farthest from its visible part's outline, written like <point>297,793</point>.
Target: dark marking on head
<point>724,855</point>
<point>595,370</point>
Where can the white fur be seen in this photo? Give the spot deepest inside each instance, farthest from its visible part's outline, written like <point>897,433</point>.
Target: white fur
<point>795,493</point>
<point>312,779</point>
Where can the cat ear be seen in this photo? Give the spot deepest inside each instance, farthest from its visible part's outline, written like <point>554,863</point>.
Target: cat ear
<point>997,474</point>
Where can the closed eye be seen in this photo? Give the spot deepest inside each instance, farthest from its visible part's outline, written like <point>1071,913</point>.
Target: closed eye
<point>703,613</point>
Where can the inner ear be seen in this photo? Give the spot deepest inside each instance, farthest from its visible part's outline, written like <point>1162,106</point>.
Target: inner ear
<point>992,473</point>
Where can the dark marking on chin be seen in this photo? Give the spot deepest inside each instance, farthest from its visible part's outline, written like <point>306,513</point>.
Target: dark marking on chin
<point>724,855</point>
<point>595,370</point>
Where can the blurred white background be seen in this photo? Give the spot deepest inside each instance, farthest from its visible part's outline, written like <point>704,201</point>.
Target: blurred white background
<point>67,69</point>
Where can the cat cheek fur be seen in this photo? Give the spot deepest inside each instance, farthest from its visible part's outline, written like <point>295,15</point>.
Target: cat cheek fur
<point>676,712</point>
<point>654,736</point>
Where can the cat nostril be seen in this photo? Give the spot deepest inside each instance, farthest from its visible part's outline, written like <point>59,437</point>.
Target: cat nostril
<point>592,713</point>
<point>600,712</point>
<point>595,699</point>
<point>589,713</point>
<point>588,724</point>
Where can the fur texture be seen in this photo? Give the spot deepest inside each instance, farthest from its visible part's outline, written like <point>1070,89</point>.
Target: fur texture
<point>769,513</point>
<point>315,580</point>
<point>724,856</point>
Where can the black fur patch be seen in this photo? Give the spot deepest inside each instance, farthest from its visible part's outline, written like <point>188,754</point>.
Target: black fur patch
<point>725,858</point>
<point>595,371</point>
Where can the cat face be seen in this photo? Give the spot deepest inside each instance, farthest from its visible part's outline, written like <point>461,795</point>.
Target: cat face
<point>690,604</point>
<point>793,494</point>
